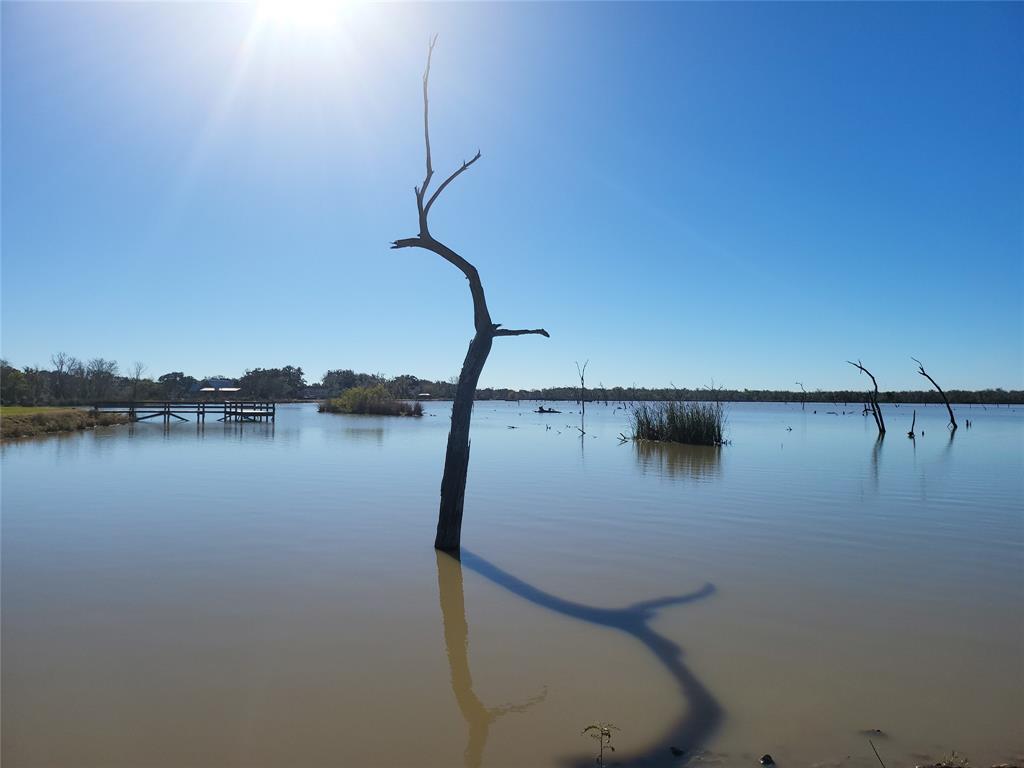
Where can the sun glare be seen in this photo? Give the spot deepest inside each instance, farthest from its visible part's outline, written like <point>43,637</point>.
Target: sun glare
<point>307,15</point>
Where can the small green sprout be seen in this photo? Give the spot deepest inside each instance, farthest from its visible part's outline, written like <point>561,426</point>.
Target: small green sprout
<point>602,733</point>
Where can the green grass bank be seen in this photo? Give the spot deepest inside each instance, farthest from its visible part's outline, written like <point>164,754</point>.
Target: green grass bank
<point>31,421</point>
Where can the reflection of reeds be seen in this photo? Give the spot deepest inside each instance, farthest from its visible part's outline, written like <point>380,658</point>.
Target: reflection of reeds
<point>696,462</point>
<point>366,434</point>
<point>693,423</point>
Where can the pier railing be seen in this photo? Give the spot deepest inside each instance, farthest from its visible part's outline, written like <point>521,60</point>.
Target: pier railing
<point>228,410</point>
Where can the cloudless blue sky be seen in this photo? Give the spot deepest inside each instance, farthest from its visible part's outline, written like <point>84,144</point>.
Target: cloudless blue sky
<point>743,193</point>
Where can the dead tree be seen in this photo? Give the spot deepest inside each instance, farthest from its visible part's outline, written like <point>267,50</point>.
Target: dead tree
<point>876,409</point>
<point>456,463</point>
<point>583,386</point>
<point>137,370</point>
<point>803,395</point>
<point>952,419</point>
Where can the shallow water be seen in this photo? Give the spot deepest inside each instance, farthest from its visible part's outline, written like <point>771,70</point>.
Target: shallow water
<point>257,595</point>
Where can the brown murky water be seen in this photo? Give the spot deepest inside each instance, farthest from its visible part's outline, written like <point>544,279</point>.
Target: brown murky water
<point>268,596</point>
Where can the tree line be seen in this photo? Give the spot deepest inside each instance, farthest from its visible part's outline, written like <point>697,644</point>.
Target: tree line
<point>997,396</point>
<point>71,381</point>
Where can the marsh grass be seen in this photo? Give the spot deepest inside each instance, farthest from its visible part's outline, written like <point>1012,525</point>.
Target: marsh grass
<point>376,401</point>
<point>679,421</point>
<point>30,422</point>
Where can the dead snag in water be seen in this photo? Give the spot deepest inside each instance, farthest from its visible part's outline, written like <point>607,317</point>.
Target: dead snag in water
<point>876,409</point>
<point>876,752</point>
<point>456,462</point>
<point>803,395</point>
<point>583,386</point>
<point>952,418</point>
<point>913,423</point>
<point>583,397</point>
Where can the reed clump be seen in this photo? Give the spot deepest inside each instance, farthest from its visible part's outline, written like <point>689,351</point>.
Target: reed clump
<point>679,421</point>
<point>375,401</point>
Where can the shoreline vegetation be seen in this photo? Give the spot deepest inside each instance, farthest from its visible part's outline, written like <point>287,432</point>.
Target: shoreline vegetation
<point>73,382</point>
<point>370,401</point>
<point>18,421</point>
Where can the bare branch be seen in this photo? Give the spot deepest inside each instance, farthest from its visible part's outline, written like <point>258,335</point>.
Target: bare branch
<point>520,332</point>
<point>481,315</point>
<point>449,180</point>
<point>865,370</point>
<point>421,190</point>
<point>876,752</point>
<point>876,409</point>
<point>426,121</point>
<point>921,370</point>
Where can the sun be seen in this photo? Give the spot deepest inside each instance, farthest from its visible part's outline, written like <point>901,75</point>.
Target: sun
<point>306,15</point>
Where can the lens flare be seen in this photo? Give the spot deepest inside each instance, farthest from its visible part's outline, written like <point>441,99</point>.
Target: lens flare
<point>308,15</point>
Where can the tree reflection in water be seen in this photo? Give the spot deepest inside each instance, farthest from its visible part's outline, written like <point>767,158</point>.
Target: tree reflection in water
<point>478,717</point>
<point>702,713</point>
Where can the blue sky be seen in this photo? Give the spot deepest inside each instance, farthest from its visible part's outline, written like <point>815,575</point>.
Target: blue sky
<point>749,194</point>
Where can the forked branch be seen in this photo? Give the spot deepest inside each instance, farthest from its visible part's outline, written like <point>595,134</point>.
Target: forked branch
<point>449,180</point>
<point>481,315</point>
<point>421,191</point>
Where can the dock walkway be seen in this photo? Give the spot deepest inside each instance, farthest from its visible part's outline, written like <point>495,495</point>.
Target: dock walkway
<point>230,410</point>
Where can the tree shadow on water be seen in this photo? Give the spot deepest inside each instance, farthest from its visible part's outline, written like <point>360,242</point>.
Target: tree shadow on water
<point>702,713</point>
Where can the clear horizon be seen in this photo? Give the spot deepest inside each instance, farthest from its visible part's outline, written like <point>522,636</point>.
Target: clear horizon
<point>680,193</point>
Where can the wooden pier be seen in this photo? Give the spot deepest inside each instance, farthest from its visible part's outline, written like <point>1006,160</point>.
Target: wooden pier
<point>230,410</point>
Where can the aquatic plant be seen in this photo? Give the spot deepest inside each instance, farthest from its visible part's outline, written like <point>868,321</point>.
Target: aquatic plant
<point>370,400</point>
<point>602,733</point>
<point>679,421</point>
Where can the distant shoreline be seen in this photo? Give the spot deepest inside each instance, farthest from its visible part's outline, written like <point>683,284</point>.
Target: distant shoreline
<point>610,400</point>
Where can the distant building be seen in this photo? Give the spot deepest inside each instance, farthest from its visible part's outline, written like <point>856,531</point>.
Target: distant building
<point>217,384</point>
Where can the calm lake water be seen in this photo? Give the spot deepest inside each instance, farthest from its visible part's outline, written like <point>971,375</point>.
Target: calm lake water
<point>257,595</point>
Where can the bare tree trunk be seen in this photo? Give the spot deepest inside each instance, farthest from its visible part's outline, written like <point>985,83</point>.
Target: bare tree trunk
<point>583,386</point>
<point>921,370</point>
<point>456,463</point>
<point>876,409</point>
<point>456,460</point>
<point>137,370</point>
